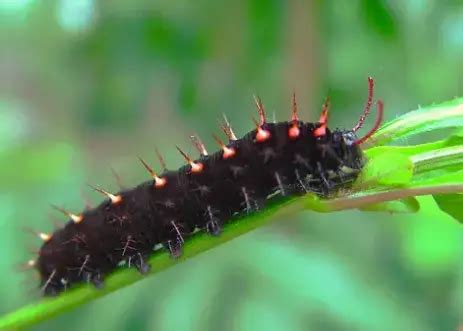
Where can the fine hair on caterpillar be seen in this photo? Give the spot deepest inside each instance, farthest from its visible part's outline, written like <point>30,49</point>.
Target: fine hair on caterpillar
<point>273,160</point>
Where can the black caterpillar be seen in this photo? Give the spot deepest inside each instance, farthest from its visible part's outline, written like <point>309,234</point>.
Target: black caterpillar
<point>275,159</point>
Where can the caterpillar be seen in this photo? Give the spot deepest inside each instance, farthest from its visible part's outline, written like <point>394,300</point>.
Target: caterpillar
<point>273,160</point>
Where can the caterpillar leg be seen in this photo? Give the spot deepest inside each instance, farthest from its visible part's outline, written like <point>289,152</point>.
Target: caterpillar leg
<point>175,248</point>
<point>325,184</point>
<point>140,264</point>
<point>96,278</point>
<point>176,241</point>
<point>213,225</point>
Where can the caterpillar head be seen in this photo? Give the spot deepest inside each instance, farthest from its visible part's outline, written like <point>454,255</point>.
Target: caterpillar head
<point>345,145</point>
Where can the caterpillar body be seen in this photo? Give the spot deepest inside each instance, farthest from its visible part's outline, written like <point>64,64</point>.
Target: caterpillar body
<point>274,159</point>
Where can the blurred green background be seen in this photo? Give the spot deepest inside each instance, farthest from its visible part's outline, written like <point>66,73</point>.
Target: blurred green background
<point>87,85</point>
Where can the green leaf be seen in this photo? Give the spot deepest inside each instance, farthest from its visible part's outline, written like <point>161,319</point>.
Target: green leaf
<point>442,116</point>
<point>455,139</point>
<point>431,242</point>
<point>406,205</point>
<point>390,168</point>
<point>451,204</point>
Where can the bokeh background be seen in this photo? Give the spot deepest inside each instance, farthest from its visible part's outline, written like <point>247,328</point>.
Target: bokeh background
<point>87,85</point>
